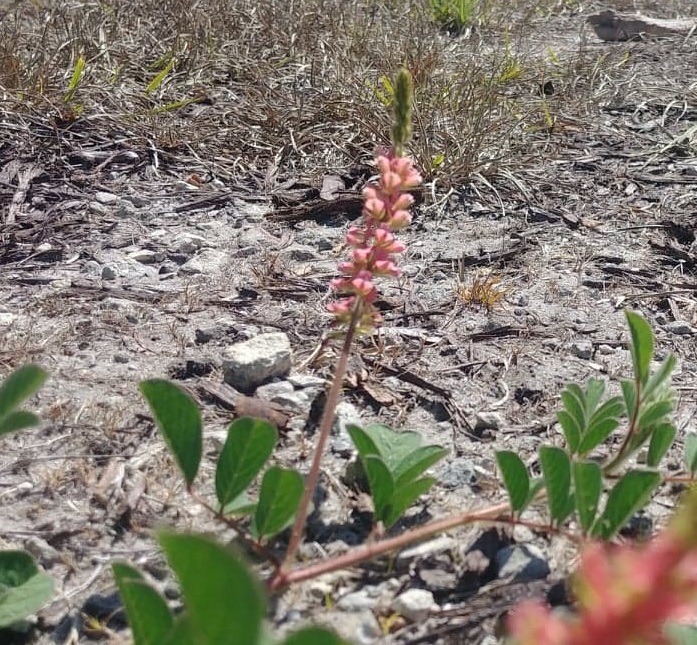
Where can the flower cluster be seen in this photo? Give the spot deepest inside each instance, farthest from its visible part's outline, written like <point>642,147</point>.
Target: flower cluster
<point>625,595</point>
<point>374,246</point>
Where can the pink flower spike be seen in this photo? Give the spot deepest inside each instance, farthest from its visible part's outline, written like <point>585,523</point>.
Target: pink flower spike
<point>373,245</point>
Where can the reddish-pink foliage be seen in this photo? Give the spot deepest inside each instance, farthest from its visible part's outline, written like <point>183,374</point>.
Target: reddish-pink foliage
<point>625,596</point>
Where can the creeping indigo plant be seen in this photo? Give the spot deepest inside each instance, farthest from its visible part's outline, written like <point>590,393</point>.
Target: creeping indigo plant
<point>572,481</point>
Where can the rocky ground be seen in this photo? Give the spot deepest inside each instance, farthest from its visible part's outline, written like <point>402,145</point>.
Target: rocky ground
<point>120,261</point>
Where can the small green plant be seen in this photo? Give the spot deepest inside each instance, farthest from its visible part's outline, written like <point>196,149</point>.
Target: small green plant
<point>248,447</point>
<point>573,480</point>
<point>75,79</point>
<point>454,16</point>
<point>166,65</point>
<point>394,463</point>
<point>24,589</point>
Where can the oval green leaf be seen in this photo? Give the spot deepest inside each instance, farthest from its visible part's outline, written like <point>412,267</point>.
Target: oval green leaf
<point>24,589</point>
<point>641,346</point>
<point>404,497</point>
<point>588,484</point>
<point>248,446</point>
<point>515,478</point>
<point>179,422</point>
<point>279,497</point>
<point>224,605</point>
<point>416,463</point>
<point>629,494</point>
<point>556,470</point>
<point>381,486</point>
<point>19,386</point>
<point>148,615</point>
<point>691,452</point>
<point>661,440</point>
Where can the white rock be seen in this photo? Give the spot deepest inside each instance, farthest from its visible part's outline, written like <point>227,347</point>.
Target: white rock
<point>145,256</point>
<point>7,319</point>
<point>208,261</point>
<point>106,198</point>
<point>415,604</point>
<point>251,362</point>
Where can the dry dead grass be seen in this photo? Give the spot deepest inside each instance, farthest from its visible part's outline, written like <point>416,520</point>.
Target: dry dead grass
<point>283,89</point>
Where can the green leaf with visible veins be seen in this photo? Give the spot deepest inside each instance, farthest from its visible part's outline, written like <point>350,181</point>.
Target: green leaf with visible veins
<point>248,446</point>
<point>556,470</point>
<point>279,497</point>
<point>629,494</point>
<point>641,346</point>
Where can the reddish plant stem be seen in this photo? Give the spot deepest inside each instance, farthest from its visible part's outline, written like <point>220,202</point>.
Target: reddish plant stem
<point>324,430</point>
<point>620,456</point>
<point>365,552</point>
<point>243,535</point>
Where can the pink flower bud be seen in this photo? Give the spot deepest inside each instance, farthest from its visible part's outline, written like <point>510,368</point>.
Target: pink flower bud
<point>399,220</point>
<point>383,164</point>
<point>375,208</point>
<point>404,201</point>
<point>355,236</point>
<point>391,182</point>
<point>387,267</point>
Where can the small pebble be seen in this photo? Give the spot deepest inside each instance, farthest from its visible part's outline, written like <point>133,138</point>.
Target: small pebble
<point>106,198</point>
<point>415,604</point>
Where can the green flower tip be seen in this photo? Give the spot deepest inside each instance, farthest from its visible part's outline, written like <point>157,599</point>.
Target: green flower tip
<point>403,98</point>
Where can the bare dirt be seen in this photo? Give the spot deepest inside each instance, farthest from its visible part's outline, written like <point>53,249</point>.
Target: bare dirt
<point>128,251</point>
